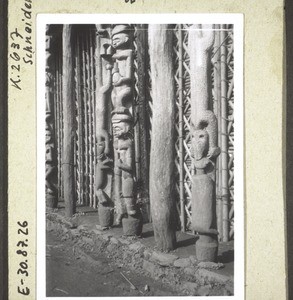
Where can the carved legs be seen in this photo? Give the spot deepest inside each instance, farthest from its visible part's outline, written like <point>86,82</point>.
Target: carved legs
<point>204,217</point>
<point>132,225</point>
<point>127,213</point>
<point>206,247</point>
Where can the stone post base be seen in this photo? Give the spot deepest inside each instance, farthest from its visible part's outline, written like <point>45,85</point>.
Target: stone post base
<point>51,201</point>
<point>132,225</point>
<point>106,216</point>
<point>206,248</point>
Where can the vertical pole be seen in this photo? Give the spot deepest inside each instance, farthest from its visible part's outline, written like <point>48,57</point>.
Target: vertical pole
<point>217,109</point>
<point>61,125</point>
<point>162,147</point>
<point>98,60</point>
<point>73,44</point>
<point>224,136</point>
<point>98,106</point>
<point>181,128</point>
<point>93,123</point>
<point>204,143</point>
<point>69,123</point>
<point>136,114</point>
<point>80,121</point>
<point>85,111</point>
<point>90,123</point>
<point>141,41</point>
<point>59,128</point>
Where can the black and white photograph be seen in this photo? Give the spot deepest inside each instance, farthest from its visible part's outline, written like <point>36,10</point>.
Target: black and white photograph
<point>140,156</point>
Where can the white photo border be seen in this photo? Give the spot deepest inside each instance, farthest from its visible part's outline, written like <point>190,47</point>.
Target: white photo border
<point>212,18</point>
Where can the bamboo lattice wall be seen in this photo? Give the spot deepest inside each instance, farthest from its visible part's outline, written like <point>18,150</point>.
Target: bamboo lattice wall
<point>222,103</point>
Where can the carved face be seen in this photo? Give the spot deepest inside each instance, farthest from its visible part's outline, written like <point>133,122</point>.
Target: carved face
<point>100,147</point>
<point>120,40</point>
<point>48,137</point>
<point>200,143</point>
<point>49,154</point>
<point>120,128</point>
<point>48,41</point>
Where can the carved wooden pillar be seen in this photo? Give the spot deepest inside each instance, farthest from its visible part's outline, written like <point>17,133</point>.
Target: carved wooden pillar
<point>204,143</point>
<point>122,123</point>
<point>69,122</point>
<point>103,171</point>
<point>51,157</point>
<point>162,143</point>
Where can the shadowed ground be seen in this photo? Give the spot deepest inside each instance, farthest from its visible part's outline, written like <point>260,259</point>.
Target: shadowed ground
<point>70,273</point>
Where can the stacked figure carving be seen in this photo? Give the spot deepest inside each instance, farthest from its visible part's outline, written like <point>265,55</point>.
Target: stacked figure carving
<point>118,57</point>
<point>51,158</point>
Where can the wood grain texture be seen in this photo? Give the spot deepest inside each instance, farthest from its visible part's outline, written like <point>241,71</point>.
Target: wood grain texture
<point>69,123</point>
<point>162,146</point>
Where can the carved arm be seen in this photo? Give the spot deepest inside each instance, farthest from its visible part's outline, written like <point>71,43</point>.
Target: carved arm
<point>126,165</point>
<point>128,56</point>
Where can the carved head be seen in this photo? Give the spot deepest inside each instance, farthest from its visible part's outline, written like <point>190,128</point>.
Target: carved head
<point>121,36</point>
<point>49,137</point>
<point>49,154</point>
<point>101,147</point>
<point>200,143</point>
<point>49,149</point>
<point>122,124</point>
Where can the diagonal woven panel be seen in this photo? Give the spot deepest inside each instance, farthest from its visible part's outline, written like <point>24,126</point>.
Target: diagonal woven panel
<point>183,154</point>
<point>182,144</point>
<point>230,99</point>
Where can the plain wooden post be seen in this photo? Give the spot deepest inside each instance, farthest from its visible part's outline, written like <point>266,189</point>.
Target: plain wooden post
<point>69,123</point>
<point>162,141</point>
<point>142,52</point>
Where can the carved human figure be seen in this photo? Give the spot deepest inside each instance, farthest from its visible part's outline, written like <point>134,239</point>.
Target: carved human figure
<point>51,171</point>
<point>122,125</point>
<point>122,73</point>
<point>204,143</point>
<point>103,165</point>
<point>101,115</point>
<point>203,188</point>
<point>103,168</point>
<point>51,157</point>
<point>200,148</point>
<point>201,40</point>
<point>124,174</point>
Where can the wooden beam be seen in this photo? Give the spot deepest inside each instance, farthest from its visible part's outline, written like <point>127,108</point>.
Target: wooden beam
<point>69,123</point>
<point>142,53</point>
<point>162,147</point>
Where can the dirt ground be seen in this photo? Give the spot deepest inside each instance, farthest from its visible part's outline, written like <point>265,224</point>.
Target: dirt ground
<point>71,273</point>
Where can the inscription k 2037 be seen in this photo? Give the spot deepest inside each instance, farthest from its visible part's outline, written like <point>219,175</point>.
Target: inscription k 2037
<point>20,46</point>
<point>22,253</point>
